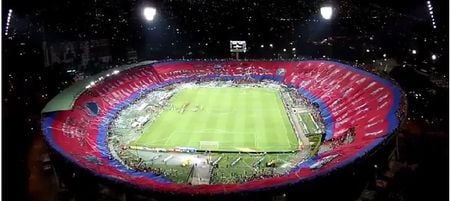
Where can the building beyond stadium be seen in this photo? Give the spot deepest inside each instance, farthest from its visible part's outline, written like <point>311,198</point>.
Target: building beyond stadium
<point>351,102</point>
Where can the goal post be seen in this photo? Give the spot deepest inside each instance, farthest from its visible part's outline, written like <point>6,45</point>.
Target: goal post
<point>209,145</point>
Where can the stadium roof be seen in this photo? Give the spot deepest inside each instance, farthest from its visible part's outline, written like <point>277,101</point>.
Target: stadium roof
<point>65,99</point>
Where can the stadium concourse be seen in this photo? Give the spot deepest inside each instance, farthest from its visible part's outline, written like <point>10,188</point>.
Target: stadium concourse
<point>338,113</point>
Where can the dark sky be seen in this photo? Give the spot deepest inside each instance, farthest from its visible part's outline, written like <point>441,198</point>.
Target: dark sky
<point>182,27</point>
<point>409,7</point>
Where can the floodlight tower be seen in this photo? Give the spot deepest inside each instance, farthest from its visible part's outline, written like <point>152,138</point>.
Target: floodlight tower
<point>149,23</point>
<point>149,13</point>
<point>325,26</point>
<point>326,12</point>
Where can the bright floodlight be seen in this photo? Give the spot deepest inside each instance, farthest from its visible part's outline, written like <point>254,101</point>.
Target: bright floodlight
<point>414,52</point>
<point>326,12</point>
<point>149,13</point>
<point>433,57</point>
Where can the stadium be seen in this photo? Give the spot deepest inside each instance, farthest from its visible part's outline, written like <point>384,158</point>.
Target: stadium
<point>222,127</point>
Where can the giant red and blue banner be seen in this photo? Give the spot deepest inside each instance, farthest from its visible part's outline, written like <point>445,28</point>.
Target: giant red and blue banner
<point>347,97</point>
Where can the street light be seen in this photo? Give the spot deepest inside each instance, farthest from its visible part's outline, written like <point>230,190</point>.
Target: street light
<point>149,13</point>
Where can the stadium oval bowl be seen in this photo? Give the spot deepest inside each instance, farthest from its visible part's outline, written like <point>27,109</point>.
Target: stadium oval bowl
<point>75,122</point>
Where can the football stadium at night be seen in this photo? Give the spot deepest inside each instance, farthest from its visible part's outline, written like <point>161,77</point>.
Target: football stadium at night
<point>241,100</point>
<point>222,127</point>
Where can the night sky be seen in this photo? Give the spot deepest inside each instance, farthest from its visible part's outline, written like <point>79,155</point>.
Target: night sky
<point>202,29</point>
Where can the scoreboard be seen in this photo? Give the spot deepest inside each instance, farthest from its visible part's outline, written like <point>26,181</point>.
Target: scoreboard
<point>238,46</point>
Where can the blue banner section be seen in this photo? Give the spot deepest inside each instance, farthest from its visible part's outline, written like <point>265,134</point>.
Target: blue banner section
<point>93,108</point>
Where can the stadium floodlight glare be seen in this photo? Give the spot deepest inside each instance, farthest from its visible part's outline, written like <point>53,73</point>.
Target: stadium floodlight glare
<point>384,55</point>
<point>428,2</point>
<point>149,13</point>
<point>433,57</point>
<point>414,52</point>
<point>326,12</point>
<point>431,12</point>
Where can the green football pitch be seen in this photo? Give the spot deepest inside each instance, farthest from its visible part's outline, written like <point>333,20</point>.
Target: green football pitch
<point>223,119</point>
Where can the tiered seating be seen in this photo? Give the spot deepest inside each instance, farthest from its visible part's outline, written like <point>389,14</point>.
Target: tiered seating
<point>354,100</point>
<point>349,99</point>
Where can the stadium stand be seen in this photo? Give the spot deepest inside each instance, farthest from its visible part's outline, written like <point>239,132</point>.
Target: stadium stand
<point>350,100</point>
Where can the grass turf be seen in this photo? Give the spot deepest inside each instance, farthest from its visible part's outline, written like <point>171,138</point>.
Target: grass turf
<point>309,122</point>
<point>238,119</point>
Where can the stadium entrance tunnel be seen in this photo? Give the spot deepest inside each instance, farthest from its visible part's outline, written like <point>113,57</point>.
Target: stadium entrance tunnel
<point>328,115</point>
